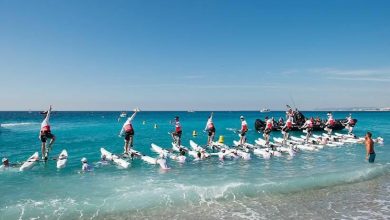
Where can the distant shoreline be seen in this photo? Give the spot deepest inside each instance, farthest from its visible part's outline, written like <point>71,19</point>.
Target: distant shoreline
<point>191,112</point>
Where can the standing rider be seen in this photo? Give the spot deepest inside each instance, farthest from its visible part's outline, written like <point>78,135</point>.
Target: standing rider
<point>329,124</point>
<point>128,131</point>
<point>309,128</point>
<point>210,128</point>
<point>176,135</point>
<point>45,133</point>
<point>349,124</point>
<point>268,128</point>
<point>286,128</point>
<point>243,130</point>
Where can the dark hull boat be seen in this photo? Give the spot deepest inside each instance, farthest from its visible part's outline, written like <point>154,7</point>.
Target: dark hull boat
<point>299,120</point>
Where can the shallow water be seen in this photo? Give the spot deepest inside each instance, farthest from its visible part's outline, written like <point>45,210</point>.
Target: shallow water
<point>330,183</point>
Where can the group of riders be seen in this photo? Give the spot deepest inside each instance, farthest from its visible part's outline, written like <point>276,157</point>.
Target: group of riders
<point>127,131</point>
<point>307,126</point>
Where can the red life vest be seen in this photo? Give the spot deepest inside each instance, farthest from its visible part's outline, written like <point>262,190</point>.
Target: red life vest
<point>211,125</point>
<point>46,128</point>
<point>269,125</point>
<point>128,128</point>
<point>178,127</point>
<point>331,122</point>
<point>244,127</point>
<point>310,124</point>
<point>289,124</point>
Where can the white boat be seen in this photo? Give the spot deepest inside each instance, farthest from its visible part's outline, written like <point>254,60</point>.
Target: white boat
<point>116,159</point>
<point>136,153</point>
<point>243,155</point>
<point>149,160</point>
<point>160,150</point>
<point>176,148</point>
<point>30,163</point>
<point>198,148</point>
<point>262,152</point>
<point>123,115</point>
<point>245,145</point>
<point>262,143</point>
<point>305,147</point>
<point>195,146</point>
<point>265,110</point>
<point>62,159</point>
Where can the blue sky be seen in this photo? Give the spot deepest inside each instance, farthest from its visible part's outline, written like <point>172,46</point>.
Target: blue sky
<point>201,55</point>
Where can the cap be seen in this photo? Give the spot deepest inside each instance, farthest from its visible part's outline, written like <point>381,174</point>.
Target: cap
<point>241,117</point>
<point>4,159</point>
<point>84,160</point>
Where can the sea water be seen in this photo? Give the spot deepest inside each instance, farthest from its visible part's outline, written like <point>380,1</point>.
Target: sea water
<point>335,182</point>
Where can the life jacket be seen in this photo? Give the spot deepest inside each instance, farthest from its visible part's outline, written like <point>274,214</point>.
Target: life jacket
<point>331,122</point>
<point>310,124</point>
<point>289,124</point>
<point>244,126</point>
<point>178,126</point>
<point>269,125</point>
<point>45,128</point>
<point>211,125</point>
<point>128,128</point>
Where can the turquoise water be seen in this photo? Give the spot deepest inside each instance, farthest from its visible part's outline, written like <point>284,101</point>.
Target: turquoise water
<point>330,183</point>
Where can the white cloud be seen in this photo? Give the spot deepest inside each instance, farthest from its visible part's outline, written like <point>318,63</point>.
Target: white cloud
<point>371,79</point>
<point>373,75</point>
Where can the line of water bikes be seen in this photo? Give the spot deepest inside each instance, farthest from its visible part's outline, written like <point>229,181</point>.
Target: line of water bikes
<point>289,145</point>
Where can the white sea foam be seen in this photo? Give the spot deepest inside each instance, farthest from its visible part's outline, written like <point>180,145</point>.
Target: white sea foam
<point>10,125</point>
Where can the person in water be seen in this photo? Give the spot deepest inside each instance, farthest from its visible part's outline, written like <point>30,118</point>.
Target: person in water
<point>243,130</point>
<point>182,158</point>
<point>268,128</point>
<point>330,123</point>
<point>4,163</point>
<point>85,166</point>
<point>176,134</point>
<point>45,133</point>
<point>370,152</point>
<point>103,160</point>
<point>210,128</point>
<point>128,132</point>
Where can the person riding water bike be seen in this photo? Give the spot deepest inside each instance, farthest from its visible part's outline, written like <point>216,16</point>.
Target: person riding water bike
<point>330,123</point>
<point>286,128</point>
<point>309,128</point>
<point>350,124</point>
<point>45,133</point>
<point>176,134</point>
<point>243,130</point>
<point>128,132</point>
<point>268,128</point>
<point>210,128</point>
